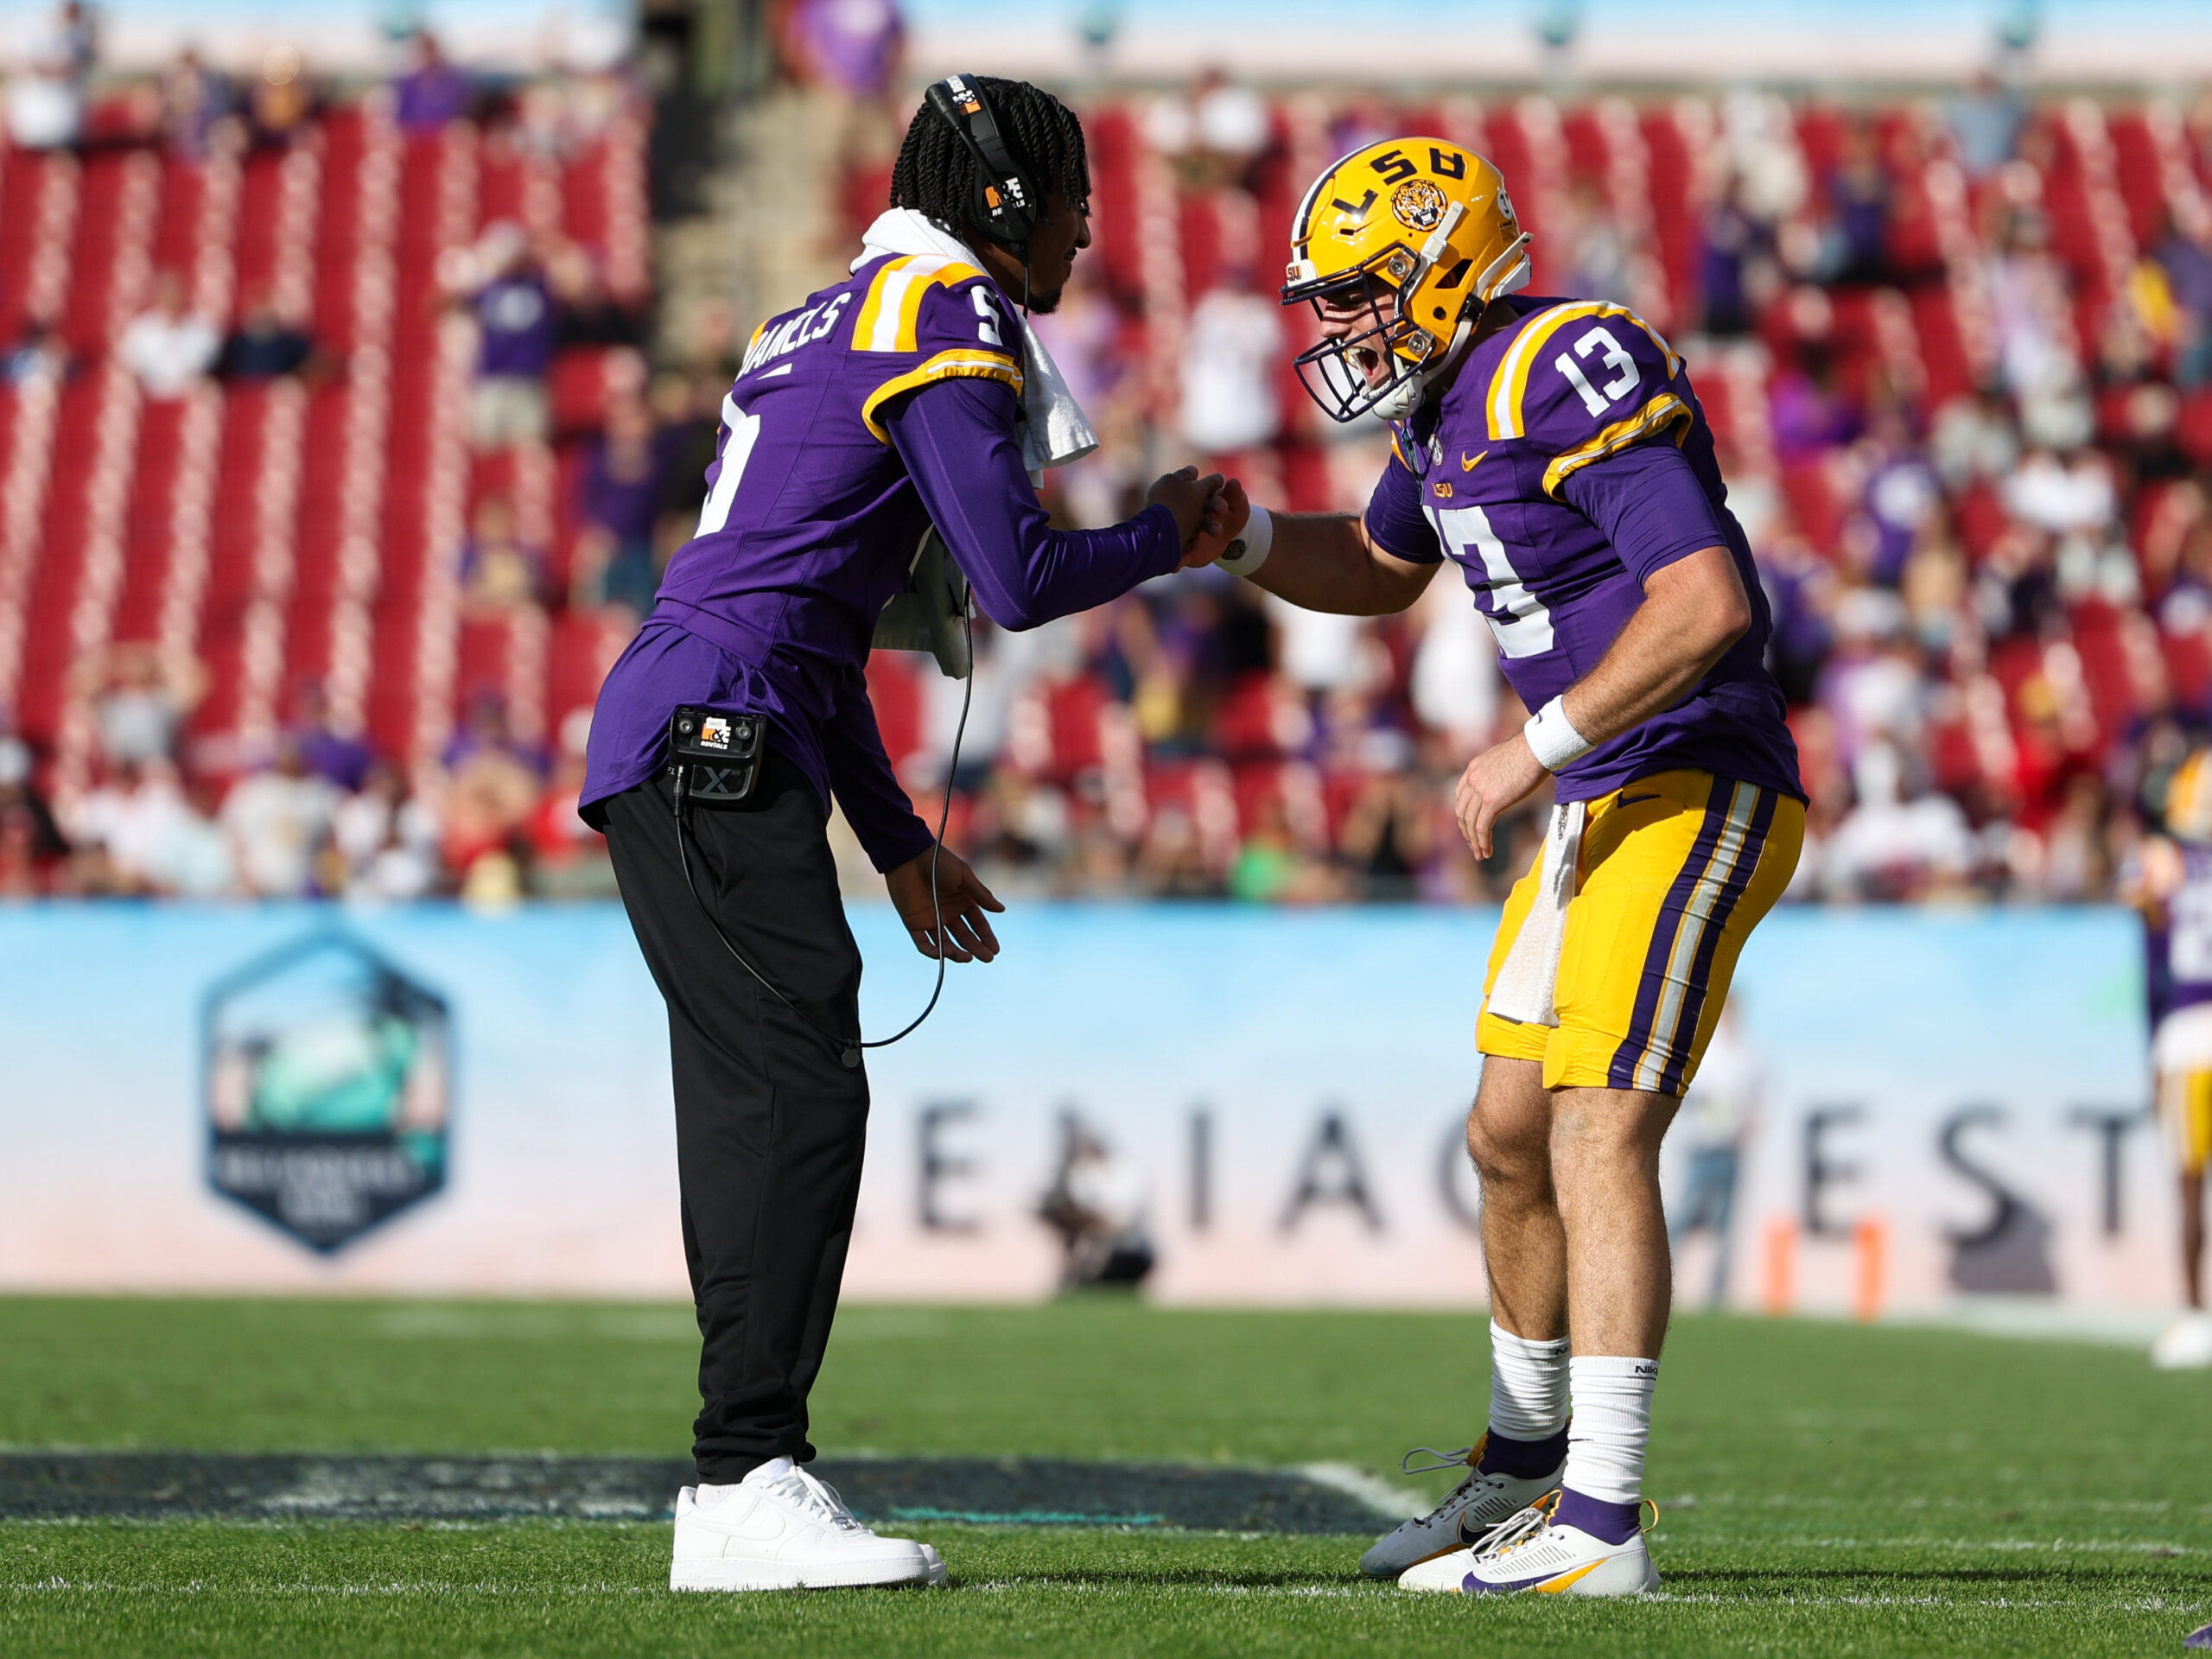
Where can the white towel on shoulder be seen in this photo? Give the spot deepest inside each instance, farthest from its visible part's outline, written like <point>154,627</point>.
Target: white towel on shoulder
<point>1053,429</point>
<point>1528,983</point>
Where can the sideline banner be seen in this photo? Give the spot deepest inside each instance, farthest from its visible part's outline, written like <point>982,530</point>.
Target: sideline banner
<point>425,1101</point>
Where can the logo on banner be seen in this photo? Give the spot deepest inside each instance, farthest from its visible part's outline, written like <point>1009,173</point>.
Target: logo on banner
<point>327,1074</point>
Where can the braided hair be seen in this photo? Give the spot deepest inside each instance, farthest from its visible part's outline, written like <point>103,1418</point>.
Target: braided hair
<point>935,174</point>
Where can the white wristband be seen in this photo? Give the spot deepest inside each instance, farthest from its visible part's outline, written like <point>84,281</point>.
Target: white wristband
<point>1552,738</point>
<point>1249,551</point>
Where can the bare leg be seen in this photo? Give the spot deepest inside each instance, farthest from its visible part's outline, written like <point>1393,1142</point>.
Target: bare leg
<point>2192,1237</point>
<point>1509,1136</point>
<point>1604,1163</point>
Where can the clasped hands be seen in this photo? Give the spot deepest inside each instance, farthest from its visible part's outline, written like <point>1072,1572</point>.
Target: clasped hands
<point>1209,512</point>
<point>950,915</point>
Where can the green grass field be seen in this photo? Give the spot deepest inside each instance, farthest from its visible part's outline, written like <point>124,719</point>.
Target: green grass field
<point>1825,1489</point>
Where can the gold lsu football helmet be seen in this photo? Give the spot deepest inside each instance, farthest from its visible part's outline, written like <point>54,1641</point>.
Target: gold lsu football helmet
<point>1422,230</point>
<point>2188,800</point>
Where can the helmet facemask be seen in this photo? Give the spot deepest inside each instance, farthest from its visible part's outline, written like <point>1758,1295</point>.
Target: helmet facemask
<point>1335,369</point>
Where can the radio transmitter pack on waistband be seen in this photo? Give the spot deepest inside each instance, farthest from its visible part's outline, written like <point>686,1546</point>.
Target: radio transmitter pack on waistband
<point>714,756</point>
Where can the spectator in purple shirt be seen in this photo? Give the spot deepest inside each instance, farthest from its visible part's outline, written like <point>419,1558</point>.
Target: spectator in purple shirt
<point>851,46</point>
<point>620,500</point>
<point>2186,259</point>
<point>1736,267</point>
<point>848,51</point>
<point>329,754</point>
<point>1859,192</point>
<point>432,90</point>
<point>1902,495</point>
<point>503,285</point>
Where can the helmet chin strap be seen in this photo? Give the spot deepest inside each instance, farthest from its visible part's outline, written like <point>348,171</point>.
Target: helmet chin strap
<point>1402,399</point>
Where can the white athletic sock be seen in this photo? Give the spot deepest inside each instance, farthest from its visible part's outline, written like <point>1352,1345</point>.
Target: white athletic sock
<point>1612,1423</point>
<point>1528,1385</point>
<point>708,1493</point>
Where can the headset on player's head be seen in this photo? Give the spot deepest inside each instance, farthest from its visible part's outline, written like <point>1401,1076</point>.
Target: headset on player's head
<point>1006,205</point>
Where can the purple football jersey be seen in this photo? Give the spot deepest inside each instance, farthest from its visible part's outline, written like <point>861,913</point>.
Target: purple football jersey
<point>1568,461</point>
<point>2181,948</point>
<point>887,402</point>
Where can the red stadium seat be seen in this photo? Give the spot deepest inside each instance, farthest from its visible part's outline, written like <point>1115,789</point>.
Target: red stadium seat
<point>894,687</point>
<point>2193,431</point>
<point>582,379</point>
<point>1073,707</point>
<point>1981,518</point>
<point>2188,668</point>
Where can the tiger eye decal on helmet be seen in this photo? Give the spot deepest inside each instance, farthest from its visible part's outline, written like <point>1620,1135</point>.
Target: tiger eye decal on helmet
<point>1449,245</point>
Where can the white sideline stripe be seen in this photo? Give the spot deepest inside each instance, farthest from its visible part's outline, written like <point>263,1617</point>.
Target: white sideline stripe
<point>1391,1501</point>
<point>1965,1546</point>
<point>1780,1599</point>
<point>1696,1537</point>
<point>2005,1316</point>
<point>2124,1604</point>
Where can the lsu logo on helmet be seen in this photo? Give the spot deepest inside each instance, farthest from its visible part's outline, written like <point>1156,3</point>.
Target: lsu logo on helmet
<point>1449,245</point>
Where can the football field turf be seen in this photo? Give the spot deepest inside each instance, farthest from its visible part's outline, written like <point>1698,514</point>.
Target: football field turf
<point>1825,1489</point>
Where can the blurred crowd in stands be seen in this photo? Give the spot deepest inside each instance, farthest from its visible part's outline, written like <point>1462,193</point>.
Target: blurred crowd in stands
<point>1958,355</point>
<point>170,807</point>
<point>1959,360</point>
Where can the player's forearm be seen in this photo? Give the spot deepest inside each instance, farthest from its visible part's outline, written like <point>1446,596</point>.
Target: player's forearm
<point>957,439</point>
<point>1693,611</point>
<point>1321,562</point>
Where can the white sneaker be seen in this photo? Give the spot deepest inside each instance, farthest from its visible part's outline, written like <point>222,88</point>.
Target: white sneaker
<point>1530,1553</point>
<point>1463,1520</point>
<point>780,1528</point>
<point>2184,1345</point>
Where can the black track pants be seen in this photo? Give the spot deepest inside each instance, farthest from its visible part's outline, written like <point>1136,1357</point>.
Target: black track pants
<point>770,1128</point>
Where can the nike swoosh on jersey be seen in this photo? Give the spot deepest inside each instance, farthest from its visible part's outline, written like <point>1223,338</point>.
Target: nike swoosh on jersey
<point>1467,462</point>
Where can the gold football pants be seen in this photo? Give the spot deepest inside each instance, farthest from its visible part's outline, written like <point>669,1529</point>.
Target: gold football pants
<point>1676,871</point>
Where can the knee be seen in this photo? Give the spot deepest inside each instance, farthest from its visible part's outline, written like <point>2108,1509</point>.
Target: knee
<point>1601,1131</point>
<point>1505,1160</point>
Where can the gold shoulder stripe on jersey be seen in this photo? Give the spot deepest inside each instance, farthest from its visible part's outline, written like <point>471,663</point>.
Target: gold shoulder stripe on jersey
<point>977,364</point>
<point>1508,384</point>
<point>1666,409</point>
<point>892,313</point>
